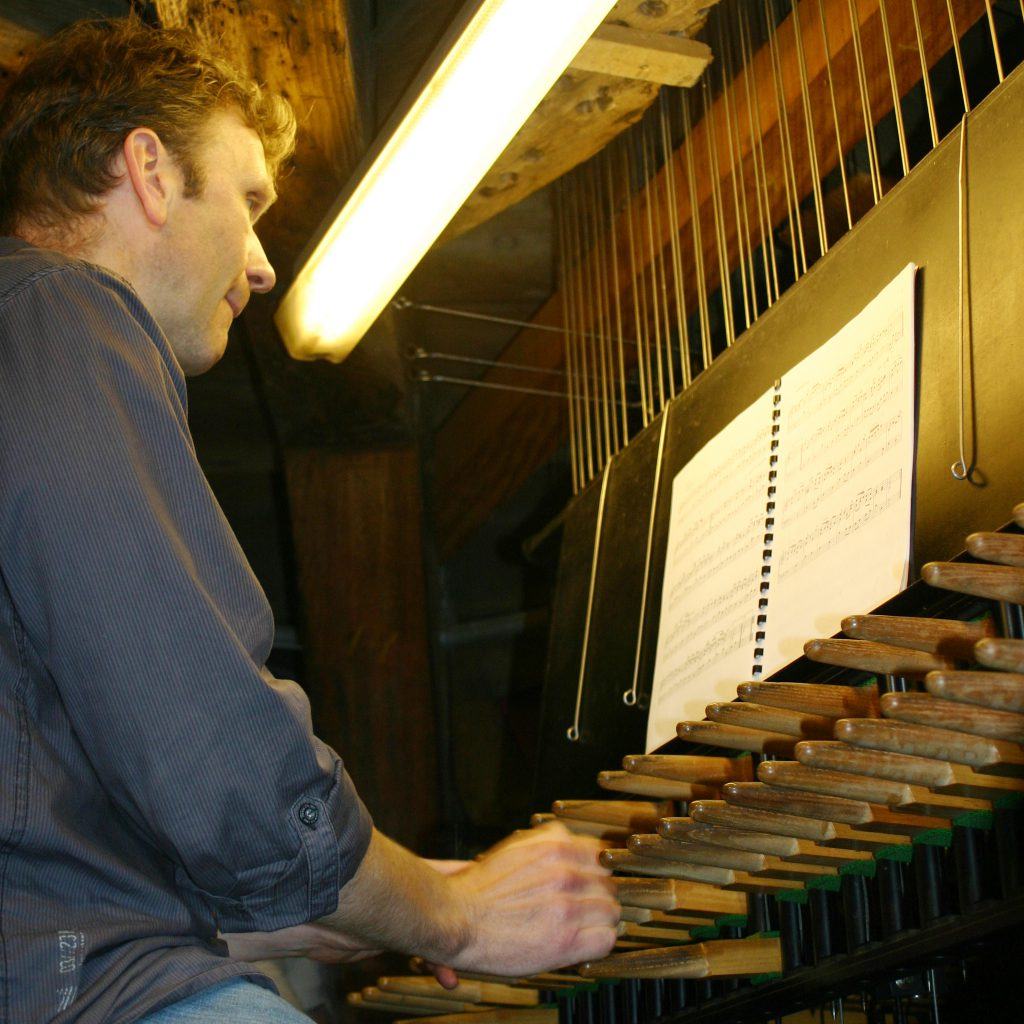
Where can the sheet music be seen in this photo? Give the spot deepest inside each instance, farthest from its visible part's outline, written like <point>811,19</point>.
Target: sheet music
<point>712,573</point>
<point>846,466</point>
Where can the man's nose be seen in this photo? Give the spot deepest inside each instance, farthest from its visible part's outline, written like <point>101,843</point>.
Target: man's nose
<point>258,270</point>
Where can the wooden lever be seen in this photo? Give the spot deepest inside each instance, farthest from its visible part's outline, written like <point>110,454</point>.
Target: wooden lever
<point>467,991</point>
<point>949,638</point>
<point>897,796</point>
<point>785,848</point>
<point>827,833</point>
<point>779,720</point>
<point>636,815</point>
<point>694,853</point>
<point>868,656</point>
<point>669,894</point>
<point>496,1015</point>
<point>733,737</point>
<point>1002,691</point>
<point>995,582</point>
<point>1018,514</point>
<point>864,816</point>
<point>1005,548</point>
<point>924,709</point>
<point>689,767</point>
<point>550,979</point>
<point>651,785</point>
<point>652,934</point>
<point>940,776</point>
<point>373,994</point>
<point>998,757</point>
<point>584,828</point>
<point>1007,655</point>
<point>818,698</point>
<point>715,959</point>
<point>627,861</point>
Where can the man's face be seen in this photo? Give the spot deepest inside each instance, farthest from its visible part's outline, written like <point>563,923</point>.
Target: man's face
<point>209,259</point>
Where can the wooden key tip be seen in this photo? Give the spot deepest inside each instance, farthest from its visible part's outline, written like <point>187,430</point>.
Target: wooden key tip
<point>630,762</point>
<point>852,624</point>
<point>767,771</point>
<point>931,571</point>
<point>746,691</point>
<point>844,729</point>
<point>812,647</point>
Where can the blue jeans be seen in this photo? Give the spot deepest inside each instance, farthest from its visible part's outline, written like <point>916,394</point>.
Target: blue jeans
<point>232,1002</point>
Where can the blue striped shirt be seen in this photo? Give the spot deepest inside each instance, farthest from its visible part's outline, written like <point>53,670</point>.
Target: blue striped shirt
<point>156,783</point>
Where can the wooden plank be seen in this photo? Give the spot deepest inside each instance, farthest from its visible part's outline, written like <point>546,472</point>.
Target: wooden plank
<point>355,521</point>
<point>15,42</point>
<point>493,442</point>
<point>643,56</point>
<point>581,114</point>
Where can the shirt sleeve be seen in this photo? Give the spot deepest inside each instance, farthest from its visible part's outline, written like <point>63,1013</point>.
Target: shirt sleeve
<point>136,597</point>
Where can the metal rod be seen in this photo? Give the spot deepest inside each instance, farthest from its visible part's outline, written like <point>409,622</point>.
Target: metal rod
<point>604,303</point>
<point>629,698</point>
<point>654,310</point>
<point>426,377</point>
<point>771,273</point>
<point>563,278</point>
<point>588,431</point>
<point>995,39</point>
<point>725,280</point>
<point>698,244</point>
<point>925,78</point>
<point>840,154</point>
<point>959,56</point>
<point>812,150</point>
<point>659,228</point>
<point>961,469</point>
<point>612,216</point>
<point>685,370</point>
<point>896,105</point>
<point>573,732</point>
<point>596,309</point>
<point>865,104</point>
<point>631,245</point>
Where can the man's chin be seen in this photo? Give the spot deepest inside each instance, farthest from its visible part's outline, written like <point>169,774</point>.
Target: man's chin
<point>203,354</point>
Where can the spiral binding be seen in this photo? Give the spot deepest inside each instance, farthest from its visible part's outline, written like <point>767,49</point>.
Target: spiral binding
<point>769,532</point>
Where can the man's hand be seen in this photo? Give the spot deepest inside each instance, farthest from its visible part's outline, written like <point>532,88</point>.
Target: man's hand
<point>328,945</point>
<point>537,901</point>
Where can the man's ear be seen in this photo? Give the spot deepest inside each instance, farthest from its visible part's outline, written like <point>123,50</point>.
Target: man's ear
<point>153,174</point>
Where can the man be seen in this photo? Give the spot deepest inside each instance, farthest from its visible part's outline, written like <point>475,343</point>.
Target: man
<point>156,783</point>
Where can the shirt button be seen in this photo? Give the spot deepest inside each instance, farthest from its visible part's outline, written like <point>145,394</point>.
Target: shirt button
<point>309,815</point>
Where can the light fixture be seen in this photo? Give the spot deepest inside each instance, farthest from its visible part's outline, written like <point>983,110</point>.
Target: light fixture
<point>488,75</point>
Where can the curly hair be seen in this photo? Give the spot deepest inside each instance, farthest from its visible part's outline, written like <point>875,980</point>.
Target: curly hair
<point>65,117</point>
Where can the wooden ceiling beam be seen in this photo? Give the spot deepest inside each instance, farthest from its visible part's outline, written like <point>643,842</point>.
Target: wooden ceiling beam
<point>495,440</point>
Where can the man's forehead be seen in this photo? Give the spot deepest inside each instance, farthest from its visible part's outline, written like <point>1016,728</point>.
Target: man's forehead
<point>235,141</point>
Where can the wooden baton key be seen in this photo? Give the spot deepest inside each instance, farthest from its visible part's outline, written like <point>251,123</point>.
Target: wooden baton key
<point>858,813</point>
<point>826,833</point>
<point>939,776</point>
<point>801,724</point>
<point>733,737</point>
<point>596,829</point>
<point>995,582</point>
<point>925,709</point>
<point>1018,514</point>
<point>653,934</point>
<point>817,698</point>
<point>636,815</point>
<point>869,656</point>
<point>949,638</point>
<point>658,867</point>
<point>653,786</point>
<point>1004,548</point>
<point>467,991</point>
<point>500,1015</point>
<point>1001,691</point>
<point>549,979</point>
<point>707,771</point>
<point>718,958</point>
<point>991,757</point>
<point>898,796</point>
<point>418,1003</point>
<point>786,848</point>
<point>994,652</point>
<point>669,894</point>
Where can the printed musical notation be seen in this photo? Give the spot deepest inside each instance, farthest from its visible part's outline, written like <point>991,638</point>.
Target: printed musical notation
<point>834,493</point>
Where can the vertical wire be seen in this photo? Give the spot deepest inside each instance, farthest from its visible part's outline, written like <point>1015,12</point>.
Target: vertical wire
<point>660,250</point>
<point>725,282</point>
<point>685,371</point>
<point>812,149</point>
<point>740,184</point>
<point>960,469</point>
<point>631,243</point>
<point>959,55</point>
<point>896,105</point>
<point>613,234</point>
<point>586,377</point>
<point>606,302</point>
<point>795,228</point>
<point>601,278</point>
<point>995,39</point>
<point>698,242</point>
<point>925,77</point>
<point>571,385</point>
<point>654,312</point>
<point>596,316</point>
<point>865,105</point>
<point>840,155</point>
<point>771,274</point>
<point>724,66</point>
